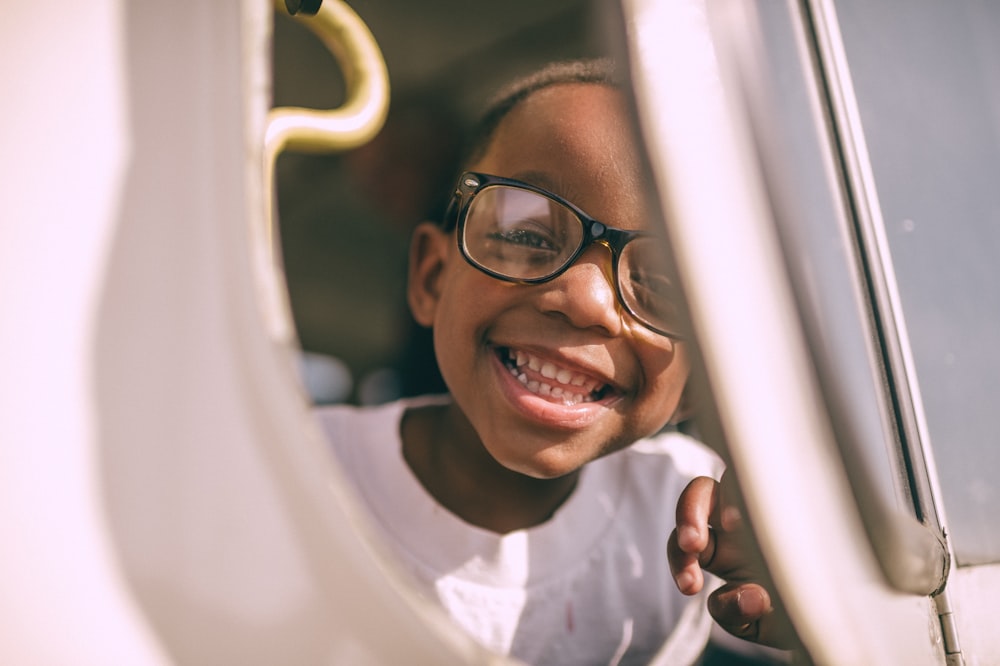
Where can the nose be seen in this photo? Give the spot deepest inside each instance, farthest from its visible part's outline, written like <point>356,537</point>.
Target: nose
<point>585,294</point>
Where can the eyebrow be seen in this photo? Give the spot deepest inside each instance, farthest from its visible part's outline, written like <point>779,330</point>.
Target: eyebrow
<point>558,186</point>
<point>546,181</point>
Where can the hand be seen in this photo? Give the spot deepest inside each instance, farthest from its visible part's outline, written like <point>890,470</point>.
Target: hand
<point>710,535</point>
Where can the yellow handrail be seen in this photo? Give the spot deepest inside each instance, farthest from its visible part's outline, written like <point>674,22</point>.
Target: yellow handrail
<point>350,125</point>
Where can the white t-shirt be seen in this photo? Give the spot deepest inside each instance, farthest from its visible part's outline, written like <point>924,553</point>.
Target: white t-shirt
<point>589,586</point>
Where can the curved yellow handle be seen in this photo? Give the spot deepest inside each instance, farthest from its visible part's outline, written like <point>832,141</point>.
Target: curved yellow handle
<point>362,114</point>
<point>348,126</point>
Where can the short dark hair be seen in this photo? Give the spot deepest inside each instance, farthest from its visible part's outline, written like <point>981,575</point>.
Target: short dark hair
<point>600,71</point>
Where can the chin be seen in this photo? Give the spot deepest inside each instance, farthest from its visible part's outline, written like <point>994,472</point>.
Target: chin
<point>542,467</point>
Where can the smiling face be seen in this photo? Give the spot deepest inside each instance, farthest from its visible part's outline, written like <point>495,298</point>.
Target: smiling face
<point>553,375</point>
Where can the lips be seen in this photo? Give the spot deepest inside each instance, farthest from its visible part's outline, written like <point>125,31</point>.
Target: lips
<point>545,378</point>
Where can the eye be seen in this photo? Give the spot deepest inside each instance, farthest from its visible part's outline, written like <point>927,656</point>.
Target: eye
<point>654,291</point>
<point>653,282</point>
<point>536,239</point>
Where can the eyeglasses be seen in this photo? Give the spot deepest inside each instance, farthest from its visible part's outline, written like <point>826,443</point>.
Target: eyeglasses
<point>520,233</point>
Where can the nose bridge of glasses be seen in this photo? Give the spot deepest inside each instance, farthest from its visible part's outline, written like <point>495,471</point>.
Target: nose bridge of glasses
<point>599,252</point>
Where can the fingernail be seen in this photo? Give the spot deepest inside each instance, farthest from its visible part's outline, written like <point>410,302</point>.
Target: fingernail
<point>684,580</point>
<point>751,602</point>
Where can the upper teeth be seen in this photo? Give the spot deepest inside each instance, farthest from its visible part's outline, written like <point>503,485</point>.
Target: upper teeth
<point>571,386</point>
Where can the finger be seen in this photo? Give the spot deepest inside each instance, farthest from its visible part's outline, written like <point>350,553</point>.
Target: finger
<point>684,567</point>
<point>740,609</point>
<point>694,510</point>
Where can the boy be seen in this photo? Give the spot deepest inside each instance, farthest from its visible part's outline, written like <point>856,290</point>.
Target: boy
<point>519,500</point>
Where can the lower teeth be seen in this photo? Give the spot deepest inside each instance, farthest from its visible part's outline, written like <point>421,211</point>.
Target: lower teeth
<point>568,398</point>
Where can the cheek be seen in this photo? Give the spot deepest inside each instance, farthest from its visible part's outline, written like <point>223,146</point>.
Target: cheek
<point>469,299</point>
<point>667,373</point>
<point>465,310</point>
<point>461,303</point>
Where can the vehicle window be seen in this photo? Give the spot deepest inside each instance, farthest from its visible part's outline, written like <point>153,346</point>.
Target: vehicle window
<point>822,255</point>
<point>927,80</point>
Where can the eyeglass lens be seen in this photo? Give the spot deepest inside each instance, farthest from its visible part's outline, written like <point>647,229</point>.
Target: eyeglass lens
<point>524,235</point>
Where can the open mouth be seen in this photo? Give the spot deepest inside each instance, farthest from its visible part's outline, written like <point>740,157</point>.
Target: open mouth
<point>555,383</point>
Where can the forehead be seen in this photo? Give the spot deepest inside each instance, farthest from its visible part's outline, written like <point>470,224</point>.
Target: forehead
<point>580,138</point>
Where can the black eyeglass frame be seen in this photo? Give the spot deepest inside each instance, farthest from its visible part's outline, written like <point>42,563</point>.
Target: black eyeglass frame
<point>472,183</point>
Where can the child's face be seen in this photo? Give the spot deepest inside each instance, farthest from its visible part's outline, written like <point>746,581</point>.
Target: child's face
<point>574,140</point>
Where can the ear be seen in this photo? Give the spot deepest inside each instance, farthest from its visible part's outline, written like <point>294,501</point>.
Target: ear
<point>429,248</point>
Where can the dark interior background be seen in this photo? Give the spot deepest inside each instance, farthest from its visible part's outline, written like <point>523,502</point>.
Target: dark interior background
<point>345,219</point>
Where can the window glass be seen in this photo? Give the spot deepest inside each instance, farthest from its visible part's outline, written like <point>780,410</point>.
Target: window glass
<point>927,79</point>
<point>820,250</point>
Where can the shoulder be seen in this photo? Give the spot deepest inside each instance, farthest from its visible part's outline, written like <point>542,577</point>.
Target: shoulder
<point>656,470</point>
<point>338,417</point>
<point>675,453</point>
<point>343,421</point>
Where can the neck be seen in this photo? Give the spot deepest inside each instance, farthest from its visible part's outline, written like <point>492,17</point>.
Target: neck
<point>448,458</point>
